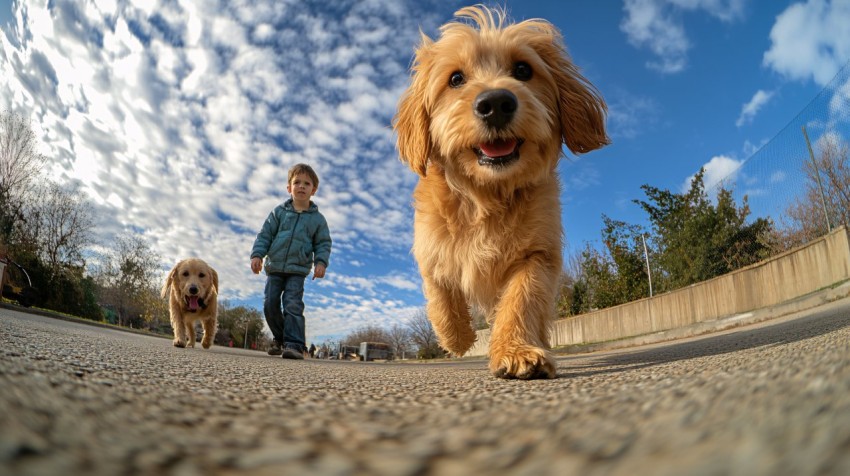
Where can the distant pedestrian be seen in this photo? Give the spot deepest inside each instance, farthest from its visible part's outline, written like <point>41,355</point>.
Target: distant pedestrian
<point>312,351</point>
<point>294,238</point>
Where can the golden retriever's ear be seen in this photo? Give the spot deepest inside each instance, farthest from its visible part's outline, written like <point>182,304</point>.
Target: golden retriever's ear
<point>412,122</point>
<point>214,275</point>
<point>581,107</point>
<point>167,287</point>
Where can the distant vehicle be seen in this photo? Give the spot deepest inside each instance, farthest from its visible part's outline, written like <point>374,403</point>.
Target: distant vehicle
<point>375,351</point>
<point>15,282</point>
<point>348,352</point>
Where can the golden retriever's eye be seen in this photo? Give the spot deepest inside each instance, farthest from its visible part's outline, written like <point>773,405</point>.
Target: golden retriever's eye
<point>522,71</point>
<point>457,79</point>
<point>201,275</point>
<point>185,274</point>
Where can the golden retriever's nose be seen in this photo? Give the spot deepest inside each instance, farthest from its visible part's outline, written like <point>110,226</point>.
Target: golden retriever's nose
<point>193,290</point>
<point>496,107</point>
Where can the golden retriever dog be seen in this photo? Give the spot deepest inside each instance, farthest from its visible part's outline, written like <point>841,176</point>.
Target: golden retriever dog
<point>192,287</point>
<point>489,106</point>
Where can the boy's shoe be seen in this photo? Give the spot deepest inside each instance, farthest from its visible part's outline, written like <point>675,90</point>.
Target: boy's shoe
<point>275,349</point>
<point>290,353</point>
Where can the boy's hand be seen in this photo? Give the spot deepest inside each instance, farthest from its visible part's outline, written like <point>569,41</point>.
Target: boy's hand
<point>319,271</point>
<point>256,265</point>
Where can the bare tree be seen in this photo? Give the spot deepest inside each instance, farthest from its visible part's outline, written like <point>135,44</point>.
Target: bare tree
<point>129,280</point>
<point>20,162</point>
<point>808,213</point>
<point>399,339</point>
<point>422,334</point>
<point>20,166</point>
<point>367,333</point>
<point>61,225</point>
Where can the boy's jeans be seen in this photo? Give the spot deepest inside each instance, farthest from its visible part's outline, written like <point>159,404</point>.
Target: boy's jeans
<point>288,326</point>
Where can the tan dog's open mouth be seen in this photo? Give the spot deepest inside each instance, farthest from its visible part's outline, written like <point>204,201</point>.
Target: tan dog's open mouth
<point>498,153</point>
<point>193,303</point>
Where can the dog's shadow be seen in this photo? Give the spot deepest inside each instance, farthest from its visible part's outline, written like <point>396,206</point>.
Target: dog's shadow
<point>817,324</point>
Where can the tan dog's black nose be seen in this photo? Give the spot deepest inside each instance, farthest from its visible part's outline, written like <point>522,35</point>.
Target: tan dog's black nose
<point>496,107</point>
<point>193,290</point>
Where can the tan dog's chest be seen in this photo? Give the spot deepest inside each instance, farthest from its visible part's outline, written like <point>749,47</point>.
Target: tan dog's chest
<point>456,246</point>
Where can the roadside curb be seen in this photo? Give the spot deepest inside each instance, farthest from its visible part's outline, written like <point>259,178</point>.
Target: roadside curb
<point>79,320</point>
<point>809,301</point>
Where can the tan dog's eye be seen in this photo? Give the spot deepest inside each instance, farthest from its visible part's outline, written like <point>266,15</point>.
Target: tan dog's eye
<point>522,71</point>
<point>185,274</point>
<point>457,79</point>
<point>201,275</point>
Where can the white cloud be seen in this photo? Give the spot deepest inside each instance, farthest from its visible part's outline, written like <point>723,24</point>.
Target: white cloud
<point>180,119</point>
<point>720,170</point>
<point>750,109</point>
<point>657,25</point>
<point>630,115</point>
<point>810,40</point>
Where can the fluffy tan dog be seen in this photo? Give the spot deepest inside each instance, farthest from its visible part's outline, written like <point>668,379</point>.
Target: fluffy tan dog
<point>192,287</point>
<point>482,123</point>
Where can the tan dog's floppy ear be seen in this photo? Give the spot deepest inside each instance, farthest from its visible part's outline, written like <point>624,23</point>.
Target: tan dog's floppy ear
<point>581,107</point>
<point>412,122</point>
<point>214,275</point>
<point>169,280</point>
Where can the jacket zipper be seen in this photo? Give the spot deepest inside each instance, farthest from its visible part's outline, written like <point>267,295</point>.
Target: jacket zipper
<point>289,246</point>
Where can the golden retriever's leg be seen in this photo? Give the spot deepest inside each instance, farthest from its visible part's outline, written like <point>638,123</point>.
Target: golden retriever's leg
<point>519,337</point>
<point>177,325</point>
<point>449,314</point>
<point>190,332</point>
<point>209,332</point>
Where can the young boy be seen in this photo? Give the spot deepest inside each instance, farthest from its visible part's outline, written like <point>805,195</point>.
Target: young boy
<point>294,238</point>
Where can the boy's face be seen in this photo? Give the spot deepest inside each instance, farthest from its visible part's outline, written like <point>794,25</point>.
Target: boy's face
<point>301,187</point>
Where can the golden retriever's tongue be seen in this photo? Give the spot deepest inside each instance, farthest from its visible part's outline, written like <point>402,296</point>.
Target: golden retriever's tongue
<point>192,301</point>
<point>498,148</point>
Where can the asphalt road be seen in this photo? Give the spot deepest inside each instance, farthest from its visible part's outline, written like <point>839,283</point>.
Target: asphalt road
<point>767,400</point>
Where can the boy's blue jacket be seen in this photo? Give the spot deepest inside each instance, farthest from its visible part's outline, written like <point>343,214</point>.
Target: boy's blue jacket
<point>291,242</point>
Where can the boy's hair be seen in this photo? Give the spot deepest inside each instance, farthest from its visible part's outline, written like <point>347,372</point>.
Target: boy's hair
<point>303,169</point>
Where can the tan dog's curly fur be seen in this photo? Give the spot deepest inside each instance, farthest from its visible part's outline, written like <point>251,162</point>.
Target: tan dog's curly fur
<point>192,288</point>
<point>482,123</point>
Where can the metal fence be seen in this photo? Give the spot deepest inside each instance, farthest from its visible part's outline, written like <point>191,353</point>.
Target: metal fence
<point>800,179</point>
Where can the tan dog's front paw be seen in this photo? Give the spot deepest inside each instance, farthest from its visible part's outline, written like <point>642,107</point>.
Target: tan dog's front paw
<point>179,343</point>
<point>206,343</point>
<point>524,363</point>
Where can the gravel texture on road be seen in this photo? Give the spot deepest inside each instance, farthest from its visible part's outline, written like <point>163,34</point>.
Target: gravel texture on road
<point>772,399</point>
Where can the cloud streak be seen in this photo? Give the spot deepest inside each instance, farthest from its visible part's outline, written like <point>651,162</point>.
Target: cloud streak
<point>180,120</point>
<point>657,26</point>
<point>752,108</point>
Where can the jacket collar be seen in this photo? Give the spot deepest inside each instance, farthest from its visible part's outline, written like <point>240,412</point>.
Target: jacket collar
<point>290,207</point>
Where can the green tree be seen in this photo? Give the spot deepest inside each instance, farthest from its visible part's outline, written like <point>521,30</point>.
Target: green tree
<point>243,325</point>
<point>625,247</point>
<point>696,239</point>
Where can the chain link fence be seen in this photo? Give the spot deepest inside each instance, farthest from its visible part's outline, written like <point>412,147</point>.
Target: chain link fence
<point>800,179</point>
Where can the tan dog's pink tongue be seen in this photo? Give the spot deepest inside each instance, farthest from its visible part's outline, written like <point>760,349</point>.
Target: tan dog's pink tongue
<point>498,148</point>
<point>193,303</point>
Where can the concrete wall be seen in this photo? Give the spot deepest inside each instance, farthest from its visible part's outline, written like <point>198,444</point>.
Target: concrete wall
<point>811,267</point>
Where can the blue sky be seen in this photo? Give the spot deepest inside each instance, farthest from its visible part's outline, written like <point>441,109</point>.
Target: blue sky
<point>180,119</point>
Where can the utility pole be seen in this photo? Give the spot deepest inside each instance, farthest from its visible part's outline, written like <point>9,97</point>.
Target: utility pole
<point>646,255</point>
<point>817,175</point>
<point>246,334</point>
